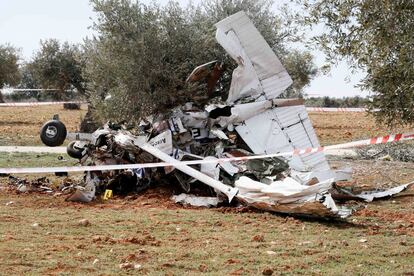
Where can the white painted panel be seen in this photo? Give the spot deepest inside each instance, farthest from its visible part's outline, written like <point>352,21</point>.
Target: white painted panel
<point>284,129</point>
<point>240,38</point>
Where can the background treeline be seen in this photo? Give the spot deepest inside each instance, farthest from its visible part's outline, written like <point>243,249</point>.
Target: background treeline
<point>336,102</point>
<point>42,96</point>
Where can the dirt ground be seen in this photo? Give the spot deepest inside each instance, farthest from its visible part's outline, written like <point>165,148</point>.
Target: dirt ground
<point>42,234</point>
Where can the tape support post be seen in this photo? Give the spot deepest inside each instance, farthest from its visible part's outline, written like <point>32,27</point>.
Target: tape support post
<point>354,144</point>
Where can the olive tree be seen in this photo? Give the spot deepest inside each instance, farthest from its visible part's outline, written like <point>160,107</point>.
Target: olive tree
<point>375,36</point>
<point>58,66</point>
<point>141,54</point>
<point>9,67</point>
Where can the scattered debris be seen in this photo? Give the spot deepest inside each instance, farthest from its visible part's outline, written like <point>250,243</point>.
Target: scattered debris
<point>38,185</point>
<point>368,196</point>
<point>199,201</point>
<point>35,225</point>
<point>84,222</point>
<point>84,194</point>
<point>61,174</point>
<point>388,152</point>
<point>72,106</point>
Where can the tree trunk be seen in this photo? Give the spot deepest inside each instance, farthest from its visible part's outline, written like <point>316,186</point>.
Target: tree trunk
<point>88,124</point>
<point>1,98</point>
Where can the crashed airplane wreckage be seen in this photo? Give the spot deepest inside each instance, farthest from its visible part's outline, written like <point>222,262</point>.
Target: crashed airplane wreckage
<point>252,121</point>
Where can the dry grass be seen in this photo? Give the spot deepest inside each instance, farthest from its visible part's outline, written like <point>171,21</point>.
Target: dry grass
<point>338,127</point>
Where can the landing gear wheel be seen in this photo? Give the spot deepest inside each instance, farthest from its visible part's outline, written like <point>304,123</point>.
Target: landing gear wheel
<point>74,151</point>
<point>53,133</point>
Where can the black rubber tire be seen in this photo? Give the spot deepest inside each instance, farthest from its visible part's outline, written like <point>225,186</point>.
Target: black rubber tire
<point>73,151</point>
<point>53,139</point>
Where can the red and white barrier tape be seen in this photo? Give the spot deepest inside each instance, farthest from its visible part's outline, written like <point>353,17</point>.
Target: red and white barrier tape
<point>360,143</point>
<point>335,109</point>
<point>34,104</point>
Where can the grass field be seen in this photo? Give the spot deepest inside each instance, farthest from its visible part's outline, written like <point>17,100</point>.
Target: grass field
<point>40,234</point>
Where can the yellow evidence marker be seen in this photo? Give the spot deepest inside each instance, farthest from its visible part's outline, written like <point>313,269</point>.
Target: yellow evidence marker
<point>107,194</point>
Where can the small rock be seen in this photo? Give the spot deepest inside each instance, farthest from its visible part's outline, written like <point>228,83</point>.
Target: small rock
<point>363,240</point>
<point>258,238</point>
<point>84,222</point>
<point>233,261</point>
<point>267,271</point>
<point>9,203</point>
<point>270,252</point>
<point>95,261</point>
<point>126,266</point>
<point>202,268</point>
<point>34,225</point>
<point>129,266</point>
<point>130,257</point>
<point>97,238</point>
<point>178,229</point>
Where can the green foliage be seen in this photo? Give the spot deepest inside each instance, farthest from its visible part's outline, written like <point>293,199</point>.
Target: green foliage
<point>142,54</point>
<point>59,66</point>
<point>377,36</point>
<point>336,102</point>
<point>9,67</point>
<point>301,69</point>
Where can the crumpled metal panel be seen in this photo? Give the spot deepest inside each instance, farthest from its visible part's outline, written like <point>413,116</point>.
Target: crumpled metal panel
<point>273,77</point>
<point>369,196</point>
<point>284,129</point>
